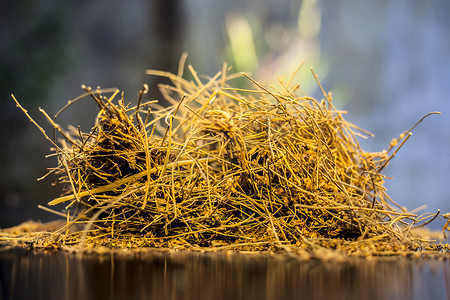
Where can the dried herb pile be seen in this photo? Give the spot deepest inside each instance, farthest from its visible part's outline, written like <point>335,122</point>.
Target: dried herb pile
<point>226,168</point>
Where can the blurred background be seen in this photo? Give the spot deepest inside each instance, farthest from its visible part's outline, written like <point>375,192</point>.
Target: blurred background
<point>386,62</point>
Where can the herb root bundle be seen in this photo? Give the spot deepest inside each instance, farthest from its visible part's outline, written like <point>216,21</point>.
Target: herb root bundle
<point>226,168</point>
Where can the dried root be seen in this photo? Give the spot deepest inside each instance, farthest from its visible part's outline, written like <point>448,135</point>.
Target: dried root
<point>227,168</point>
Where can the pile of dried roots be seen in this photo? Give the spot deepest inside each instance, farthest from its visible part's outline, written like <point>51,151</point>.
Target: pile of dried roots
<point>226,168</point>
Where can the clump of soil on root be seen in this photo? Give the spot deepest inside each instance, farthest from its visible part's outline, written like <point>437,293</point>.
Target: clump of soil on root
<point>266,168</point>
